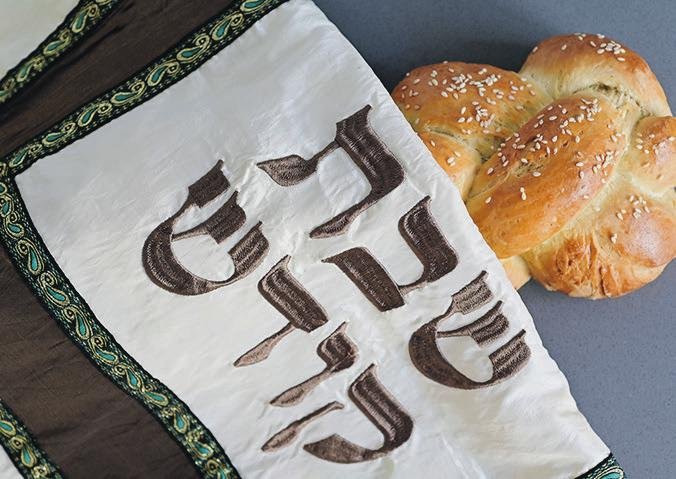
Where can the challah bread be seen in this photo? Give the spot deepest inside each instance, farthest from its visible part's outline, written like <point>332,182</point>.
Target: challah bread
<point>567,168</point>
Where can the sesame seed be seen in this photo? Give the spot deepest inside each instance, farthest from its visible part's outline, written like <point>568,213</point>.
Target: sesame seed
<point>536,174</point>
<point>524,161</point>
<point>444,94</point>
<point>613,238</point>
<point>490,171</point>
<point>416,81</point>
<point>581,174</point>
<point>577,139</point>
<point>619,216</point>
<point>579,164</point>
<point>564,46</point>
<point>433,143</point>
<point>488,200</point>
<point>523,193</point>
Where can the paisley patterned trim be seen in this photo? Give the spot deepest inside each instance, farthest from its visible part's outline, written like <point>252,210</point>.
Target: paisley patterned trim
<point>22,449</point>
<point>185,58</point>
<point>86,15</point>
<point>608,469</point>
<point>50,285</point>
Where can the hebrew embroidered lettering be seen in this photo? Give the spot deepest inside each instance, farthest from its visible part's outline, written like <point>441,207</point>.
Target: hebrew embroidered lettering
<point>165,270</point>
<point>356,137</point>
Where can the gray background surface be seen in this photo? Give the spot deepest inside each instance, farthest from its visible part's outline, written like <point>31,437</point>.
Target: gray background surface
<point>619,354</point>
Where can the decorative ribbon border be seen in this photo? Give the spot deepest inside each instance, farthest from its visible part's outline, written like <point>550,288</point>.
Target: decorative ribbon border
<point>608,469</point>
<point>86,15</point>
<point>189,55</point>
<point>49,284</point>
<point>41,272</point>
<point>20,446</point>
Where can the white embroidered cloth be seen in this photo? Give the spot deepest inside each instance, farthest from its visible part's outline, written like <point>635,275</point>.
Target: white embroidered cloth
<point>278,90</point>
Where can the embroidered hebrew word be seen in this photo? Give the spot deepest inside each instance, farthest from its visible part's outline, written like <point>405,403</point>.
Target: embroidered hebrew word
<point>160,262</point>
<point>507,360</point>
<point>338,353</point>
<point>378,406</point>
<point>356,137</point>
<point>425,239</point>
<point>293,301</point>
<point>381,409</point>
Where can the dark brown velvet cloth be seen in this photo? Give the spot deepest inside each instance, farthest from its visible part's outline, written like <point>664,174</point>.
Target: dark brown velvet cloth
<point>86,425</point>
<point>134,34</point>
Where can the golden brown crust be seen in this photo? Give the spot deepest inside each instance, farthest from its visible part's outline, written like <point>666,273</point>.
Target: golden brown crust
<point>652,152</point>
<point>617,245</point>
<point>478,105</point>
<point>583,189</point>
<point>567,64</point>
<point>545,174</point>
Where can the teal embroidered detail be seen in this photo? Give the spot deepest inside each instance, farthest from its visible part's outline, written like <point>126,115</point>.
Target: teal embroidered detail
<point>69,309</point>
<point>77,24</point>
<point>172,67</point>
<point>22,449</point>
<point>608,469</point>
<point>43,275</point>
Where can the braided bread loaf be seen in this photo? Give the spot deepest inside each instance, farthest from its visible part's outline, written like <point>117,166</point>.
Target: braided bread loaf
<point>568,167</point>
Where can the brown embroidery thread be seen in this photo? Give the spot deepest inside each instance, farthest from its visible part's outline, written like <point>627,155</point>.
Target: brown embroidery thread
<point>356,137</point>
<point>369,276</point>
<point>470,297</point>
<point>381,409</point>
<point>293,301</point>
<point>507,360</point>
<point>162,266</point>
<point>289,434</point>
<point>423,236</point>
<point>291,170</point>
<point>484,330</point>
<point>337,351</point>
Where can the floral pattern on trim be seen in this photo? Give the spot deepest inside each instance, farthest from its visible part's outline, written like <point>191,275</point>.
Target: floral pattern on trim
<point>169,69</point>
<point>608,469</point>
<point>80,21</point>
<point>26,455</point>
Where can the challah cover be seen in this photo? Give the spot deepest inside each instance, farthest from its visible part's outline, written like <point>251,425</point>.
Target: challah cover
<point>267,258</point>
